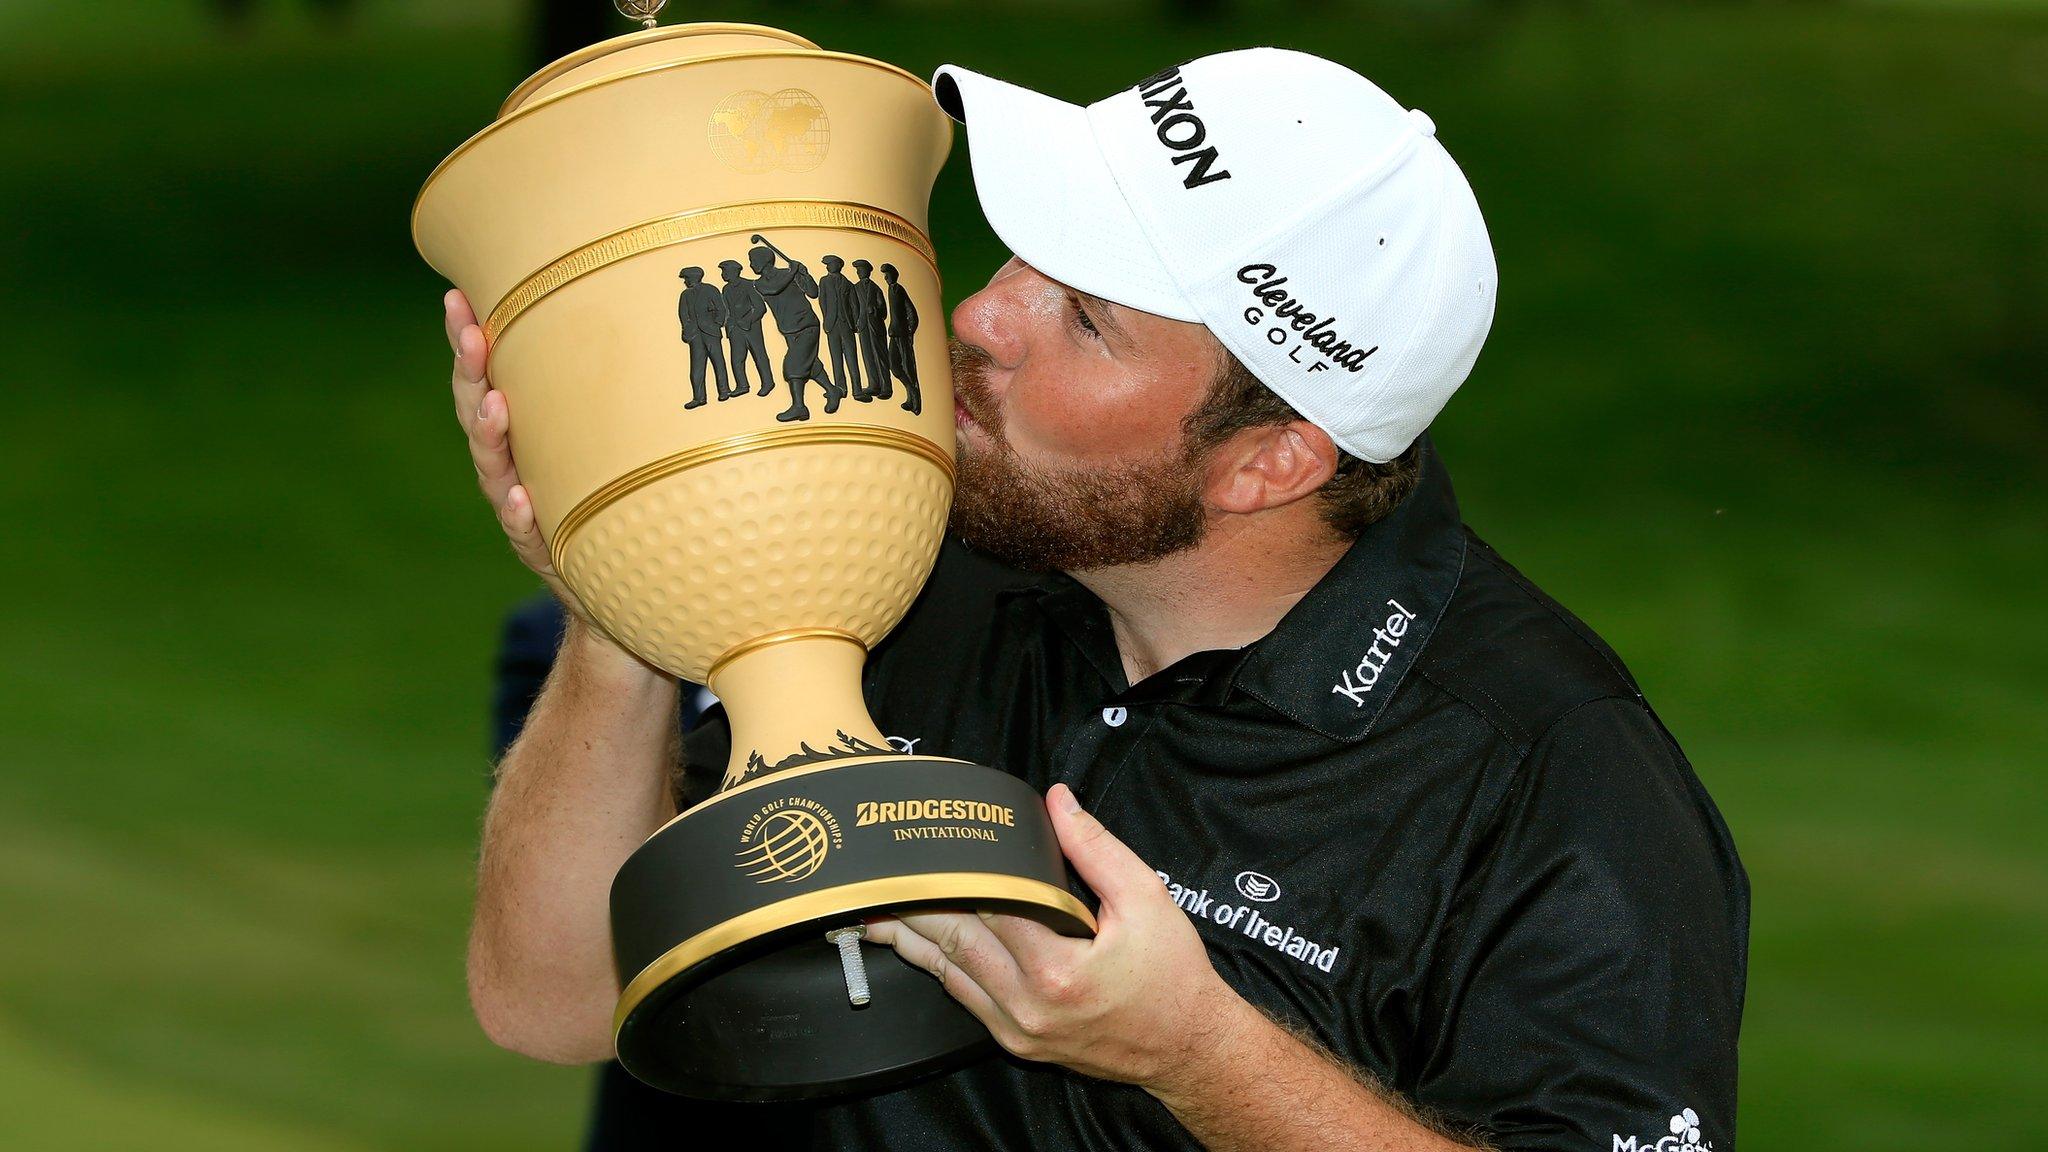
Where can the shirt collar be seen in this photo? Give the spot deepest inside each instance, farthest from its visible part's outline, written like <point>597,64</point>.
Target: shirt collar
<point>1336,657</point>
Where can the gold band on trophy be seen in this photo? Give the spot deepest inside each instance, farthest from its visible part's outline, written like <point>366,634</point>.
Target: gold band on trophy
<point>846,899</point>
<point>702,454</point>
<point>787,636</point>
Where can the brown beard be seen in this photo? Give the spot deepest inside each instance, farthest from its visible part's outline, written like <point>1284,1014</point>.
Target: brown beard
<point>1068,520</point>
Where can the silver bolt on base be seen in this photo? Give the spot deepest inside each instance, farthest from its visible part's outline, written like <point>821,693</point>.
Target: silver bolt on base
<point>850,962</point>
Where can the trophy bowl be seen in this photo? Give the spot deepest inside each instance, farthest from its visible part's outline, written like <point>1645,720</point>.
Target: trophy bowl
<point>702,256</point>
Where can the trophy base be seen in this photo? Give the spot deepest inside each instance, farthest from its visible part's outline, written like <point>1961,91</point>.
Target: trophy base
<point>732,991</point>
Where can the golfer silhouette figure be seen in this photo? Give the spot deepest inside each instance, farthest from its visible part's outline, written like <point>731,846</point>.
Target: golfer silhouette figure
<point>871,321</point>
<point>744,308</point>
<point>702,312</point>
<point>902,340</point>
<point>835,300</point>
<point>788,293</point>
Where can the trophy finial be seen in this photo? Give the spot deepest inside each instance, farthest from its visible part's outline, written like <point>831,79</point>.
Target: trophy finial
<point>645,11</point>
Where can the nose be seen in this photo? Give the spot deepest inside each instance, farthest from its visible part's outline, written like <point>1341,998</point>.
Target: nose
<point>993,319</point>
<point>979,320</point>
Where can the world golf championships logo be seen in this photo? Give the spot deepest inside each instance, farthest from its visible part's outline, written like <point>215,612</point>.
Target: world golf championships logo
<point>754,133</point>
<point>787,840</point>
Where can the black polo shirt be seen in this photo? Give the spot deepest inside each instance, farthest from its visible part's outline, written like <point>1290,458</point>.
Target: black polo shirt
<point>1429,817</point>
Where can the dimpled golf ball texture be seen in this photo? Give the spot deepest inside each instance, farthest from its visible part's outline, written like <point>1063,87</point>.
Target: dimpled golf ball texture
<point>808,536</point>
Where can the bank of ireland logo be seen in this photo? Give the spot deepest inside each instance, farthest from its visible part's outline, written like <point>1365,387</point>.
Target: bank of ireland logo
<point>1258,886</point>
<point>787,840</point>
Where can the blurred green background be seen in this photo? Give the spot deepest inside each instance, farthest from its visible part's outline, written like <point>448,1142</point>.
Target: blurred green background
<point>1765,402</point>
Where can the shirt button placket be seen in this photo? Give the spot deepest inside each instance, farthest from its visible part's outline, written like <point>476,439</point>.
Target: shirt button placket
<point>1091,746</point>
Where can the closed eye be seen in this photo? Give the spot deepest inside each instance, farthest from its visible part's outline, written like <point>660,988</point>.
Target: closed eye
<point>1080,317</point>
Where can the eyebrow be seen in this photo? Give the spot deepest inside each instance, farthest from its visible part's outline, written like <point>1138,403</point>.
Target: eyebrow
<point>1105,318</point>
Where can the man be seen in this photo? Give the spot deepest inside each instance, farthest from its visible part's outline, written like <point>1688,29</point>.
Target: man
<point>835,300</point>
<point>871,320</point>
<point>702,312</point>
<point>902,342</point>
<point>744,308</point>
<point>789,292</point>
<point>1391,851</point>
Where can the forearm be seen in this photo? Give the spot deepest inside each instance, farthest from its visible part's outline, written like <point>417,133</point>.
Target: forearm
<point>1260,1088</point>
<point>586,782</point>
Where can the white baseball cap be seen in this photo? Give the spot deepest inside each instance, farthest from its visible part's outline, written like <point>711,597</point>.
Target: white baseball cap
<point>1304,216</point>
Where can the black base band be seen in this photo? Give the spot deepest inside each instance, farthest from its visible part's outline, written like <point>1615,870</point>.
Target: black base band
<point>732,991</point>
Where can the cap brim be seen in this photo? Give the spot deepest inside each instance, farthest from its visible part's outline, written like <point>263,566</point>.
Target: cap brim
<point>1049,195</point>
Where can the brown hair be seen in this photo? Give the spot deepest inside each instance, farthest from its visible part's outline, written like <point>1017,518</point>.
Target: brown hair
<point>1355,497</point>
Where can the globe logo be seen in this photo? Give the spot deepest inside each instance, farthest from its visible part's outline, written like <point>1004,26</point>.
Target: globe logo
<point>754,133</point>
<point>788,846</point>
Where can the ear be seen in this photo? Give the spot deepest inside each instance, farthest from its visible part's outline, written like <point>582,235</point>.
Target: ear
<point>1270,467</point>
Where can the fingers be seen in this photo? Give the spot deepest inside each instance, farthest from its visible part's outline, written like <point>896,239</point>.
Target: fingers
<point>490,451</point>
<point>456,314</point>
<point>490,448</point>
<point>515,515</point>
<point>1037,951</point>
<point>922,952</point>
<point>466,342</point>
<point>965,940</point>
<point>480,409</point>
<point>1102,861</point>
<point>470,353</point>
<point>468,380</point>
<point>487,423</point>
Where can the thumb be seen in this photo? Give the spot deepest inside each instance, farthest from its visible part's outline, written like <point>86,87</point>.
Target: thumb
<point>1104,863</point>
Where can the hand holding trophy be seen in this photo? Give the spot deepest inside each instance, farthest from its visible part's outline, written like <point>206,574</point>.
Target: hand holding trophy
<point>756,544</point>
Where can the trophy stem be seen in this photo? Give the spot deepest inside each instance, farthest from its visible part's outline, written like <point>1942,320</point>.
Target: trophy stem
<point>794,698</point>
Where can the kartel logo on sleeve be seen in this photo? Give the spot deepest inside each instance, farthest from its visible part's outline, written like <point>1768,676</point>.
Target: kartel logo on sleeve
<point>1357,682</point>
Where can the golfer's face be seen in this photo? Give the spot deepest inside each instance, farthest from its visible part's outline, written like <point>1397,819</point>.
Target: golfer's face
<point>1079,382</point>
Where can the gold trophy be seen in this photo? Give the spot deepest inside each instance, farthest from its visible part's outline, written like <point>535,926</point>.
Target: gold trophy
<point>714,312</point>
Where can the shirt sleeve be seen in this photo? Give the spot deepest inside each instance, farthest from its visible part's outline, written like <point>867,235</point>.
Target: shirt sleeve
<point>526,650</point>
<point>706,746</point>
<point>1592,988</point>
<point>526,654</point>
